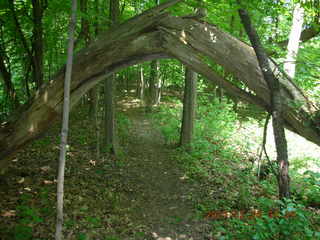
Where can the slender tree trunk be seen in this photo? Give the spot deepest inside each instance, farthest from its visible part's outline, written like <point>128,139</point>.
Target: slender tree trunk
<point>294,38</point>
<point>37,42</point>
<point>154,87</point>
<point>85,35</point>
<point>96,92</point>
<point>109,116</point>
<point>219,93</point>
<point>24,43</point>
<point>276,107</point>
<point>93,97</point>
<point>6,77</point>
<point>140,84</point>
<point>110,138</point>
<point>65,123</point>
<point>189,108</point>
<point>85,31</point>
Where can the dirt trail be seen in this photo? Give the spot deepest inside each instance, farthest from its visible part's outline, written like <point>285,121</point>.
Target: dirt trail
<point>160,192</point>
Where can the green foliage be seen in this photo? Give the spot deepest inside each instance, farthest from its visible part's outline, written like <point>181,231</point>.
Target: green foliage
<point>28,217</point>
<point>22,232</point>
<point>94,222</point>
<point>306,188</point>
<point>123,123</point>
<point>112,238</point>
<point>168,118</point>
<point>81,236</point>
<point>292,222</point>
<point>214,156</point>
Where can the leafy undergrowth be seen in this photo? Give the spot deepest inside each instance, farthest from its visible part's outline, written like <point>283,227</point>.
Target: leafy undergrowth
<point>93,188</point>
<point>241,206</point>
<point>152,190</point>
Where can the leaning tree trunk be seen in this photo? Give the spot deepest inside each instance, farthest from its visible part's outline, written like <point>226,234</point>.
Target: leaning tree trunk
<point>152,35</point>
<point>276,107</point>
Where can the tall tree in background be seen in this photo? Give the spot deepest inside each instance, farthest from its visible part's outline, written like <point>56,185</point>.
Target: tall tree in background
<point>65,123</point>
<point>110,138</point>
<point>141,83</point>
<point>190,95</point>
<point>6,77</point>
<point>294,38</point>
<point>154,82</point>
<point>22,41</point>
<point>34,59</point>
<point>276,106</point>
<point>38,7</point>
<point>189,108</point>
<point>85,36</point>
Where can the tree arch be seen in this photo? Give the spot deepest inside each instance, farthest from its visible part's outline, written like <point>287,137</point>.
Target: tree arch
<point>152,35</point>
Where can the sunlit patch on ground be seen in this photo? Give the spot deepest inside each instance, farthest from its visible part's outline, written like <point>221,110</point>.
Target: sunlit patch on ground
<point>298,147</point>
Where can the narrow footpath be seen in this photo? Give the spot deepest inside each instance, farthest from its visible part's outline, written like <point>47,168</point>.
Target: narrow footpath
<point>161,192</point>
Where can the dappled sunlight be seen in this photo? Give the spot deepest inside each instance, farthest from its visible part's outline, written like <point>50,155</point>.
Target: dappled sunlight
<point>45,96</point>
<point>129,102</point>
<point>158,236</point>
<point>298,147</point>
<point>213,38</point>
<point>31,128</point>
<point>183,37</point>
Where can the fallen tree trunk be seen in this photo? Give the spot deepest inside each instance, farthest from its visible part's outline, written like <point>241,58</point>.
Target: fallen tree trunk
<point>197,43</point>
<point>152,35</point>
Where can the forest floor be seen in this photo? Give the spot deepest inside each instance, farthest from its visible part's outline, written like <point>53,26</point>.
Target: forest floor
<point>142,194</point>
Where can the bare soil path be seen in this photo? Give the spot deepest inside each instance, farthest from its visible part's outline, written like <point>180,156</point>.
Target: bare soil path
<point>160,193</point>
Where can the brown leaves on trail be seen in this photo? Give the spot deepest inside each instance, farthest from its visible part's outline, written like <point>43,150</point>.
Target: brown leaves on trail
<point>21,180</point>
<point>9,213</point>
<point>252,214</point>
<point>45,169</point>
<point>92,162</point>
<point>46,182</point>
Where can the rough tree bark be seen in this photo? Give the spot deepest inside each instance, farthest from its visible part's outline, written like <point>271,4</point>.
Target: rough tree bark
<point>276,107</point>
<point>189,108</point>
<point>86,37</point>
<point>154,85</point>
<point>152,35</point>
<point>38,7</point>
<point>109,89</point>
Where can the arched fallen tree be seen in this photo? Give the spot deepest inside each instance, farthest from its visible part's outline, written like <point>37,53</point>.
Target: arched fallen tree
<point>152,35</point>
